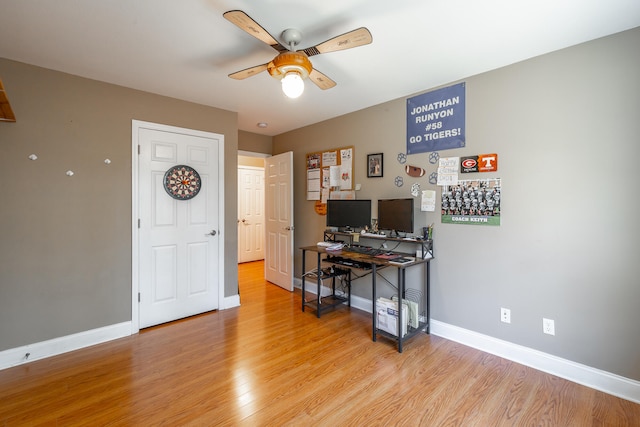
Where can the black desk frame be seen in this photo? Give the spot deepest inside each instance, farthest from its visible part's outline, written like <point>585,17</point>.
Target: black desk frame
<point>377,264</point>
<point>320,275</point>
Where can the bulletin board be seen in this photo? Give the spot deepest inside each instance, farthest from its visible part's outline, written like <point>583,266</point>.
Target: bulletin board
<point>330,176</point>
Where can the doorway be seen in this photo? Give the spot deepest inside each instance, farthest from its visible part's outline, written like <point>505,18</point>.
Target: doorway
<point>177,244</point>
<point>278,215</point>
<point>250,214</point>
<point>251,227</point>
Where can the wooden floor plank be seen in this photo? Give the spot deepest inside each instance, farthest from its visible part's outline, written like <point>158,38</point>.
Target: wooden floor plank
<point>268,363</point>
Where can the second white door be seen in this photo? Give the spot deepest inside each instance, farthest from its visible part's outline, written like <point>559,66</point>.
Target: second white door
<point>278,263</point>
<point>250,213</point>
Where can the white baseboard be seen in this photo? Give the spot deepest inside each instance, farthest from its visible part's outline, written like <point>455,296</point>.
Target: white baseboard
<point>230,302</point>
<point>40,350</point>
<point>18,356</point>
<point>590,377</point>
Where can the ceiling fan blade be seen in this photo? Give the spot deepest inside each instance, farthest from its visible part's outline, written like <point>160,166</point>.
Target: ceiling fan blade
<point>248,72</point>
<point>245,23</point>
<point>320,80</point>
<point>354,38</point>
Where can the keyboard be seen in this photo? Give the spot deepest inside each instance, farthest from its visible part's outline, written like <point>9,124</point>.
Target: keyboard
<point>362,250</point>
<point>349,262</point>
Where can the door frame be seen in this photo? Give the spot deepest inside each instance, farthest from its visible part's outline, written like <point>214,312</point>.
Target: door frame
<point>136,125</point>
<point>262,156</point>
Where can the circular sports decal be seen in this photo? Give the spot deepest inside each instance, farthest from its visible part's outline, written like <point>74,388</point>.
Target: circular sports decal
<point>182,182</point>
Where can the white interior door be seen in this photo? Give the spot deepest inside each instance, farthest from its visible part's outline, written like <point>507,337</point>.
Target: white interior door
<point>179,253</point>
<point>278,265</point>
<point>250,213</point>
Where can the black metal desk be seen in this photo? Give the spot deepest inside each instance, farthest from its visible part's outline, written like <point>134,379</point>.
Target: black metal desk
<point>358,260</point>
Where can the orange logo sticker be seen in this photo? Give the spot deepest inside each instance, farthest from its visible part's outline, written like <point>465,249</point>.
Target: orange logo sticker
<point>487,162</point>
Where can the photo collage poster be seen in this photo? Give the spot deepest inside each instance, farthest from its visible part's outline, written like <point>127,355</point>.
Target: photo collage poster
<point>473,201</point>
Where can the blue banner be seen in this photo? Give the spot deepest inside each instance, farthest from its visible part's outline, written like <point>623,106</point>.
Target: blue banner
<point>436,120</point>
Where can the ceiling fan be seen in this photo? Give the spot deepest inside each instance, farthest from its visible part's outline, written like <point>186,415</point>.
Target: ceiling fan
<point>293,66</point>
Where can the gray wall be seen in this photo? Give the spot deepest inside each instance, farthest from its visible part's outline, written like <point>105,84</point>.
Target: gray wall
<point>566,128</point>
<point>65,248</point>
<point>253,142</point>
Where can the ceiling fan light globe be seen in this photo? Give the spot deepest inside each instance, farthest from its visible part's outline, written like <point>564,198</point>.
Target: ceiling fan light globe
<point>292,84</point>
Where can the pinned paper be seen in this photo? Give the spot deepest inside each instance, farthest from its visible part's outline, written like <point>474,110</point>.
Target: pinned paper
<point>313,184</point>
<point>428,202</point>
<point>448,170</point>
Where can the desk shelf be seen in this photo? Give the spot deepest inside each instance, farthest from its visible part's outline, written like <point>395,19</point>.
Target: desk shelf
<point>422,326</point>
<point>336,236</point>
<point>324,303</point>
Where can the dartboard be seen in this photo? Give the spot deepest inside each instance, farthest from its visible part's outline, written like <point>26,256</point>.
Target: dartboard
<point>182,182</point>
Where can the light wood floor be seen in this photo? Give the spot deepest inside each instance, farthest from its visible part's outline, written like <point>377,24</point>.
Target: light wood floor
<point>267,363</point>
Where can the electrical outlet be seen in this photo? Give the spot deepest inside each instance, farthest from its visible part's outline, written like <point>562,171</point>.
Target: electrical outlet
<point>505,315</point>
<point>548,326</point>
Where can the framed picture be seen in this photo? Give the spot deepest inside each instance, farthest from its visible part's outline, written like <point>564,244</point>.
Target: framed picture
<point>374,165</point>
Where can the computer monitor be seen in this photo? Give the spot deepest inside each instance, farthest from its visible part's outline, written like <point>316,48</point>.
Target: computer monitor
<point>348,214</point>
<point>395,215</point>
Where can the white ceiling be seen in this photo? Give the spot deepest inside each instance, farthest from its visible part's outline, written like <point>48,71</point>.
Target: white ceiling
<point>185,48</point>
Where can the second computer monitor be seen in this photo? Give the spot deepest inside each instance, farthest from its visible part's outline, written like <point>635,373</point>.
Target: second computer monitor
<point>396,215</point>
<point>348,214</point>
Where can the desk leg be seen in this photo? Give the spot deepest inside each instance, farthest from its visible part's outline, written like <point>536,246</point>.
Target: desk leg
<point>427,282</point>
<point>401,294</point>
<point>349,287</point>
<point>374,314</point>
<point>303,277</point>
<point>319,285</point>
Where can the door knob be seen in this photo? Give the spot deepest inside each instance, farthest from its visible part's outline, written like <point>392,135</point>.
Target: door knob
<point>212,233</point>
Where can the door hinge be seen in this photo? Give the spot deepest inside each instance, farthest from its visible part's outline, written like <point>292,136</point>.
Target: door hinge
<point>138,222</point>
<point>138,149</point>
<point>138,296</point>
